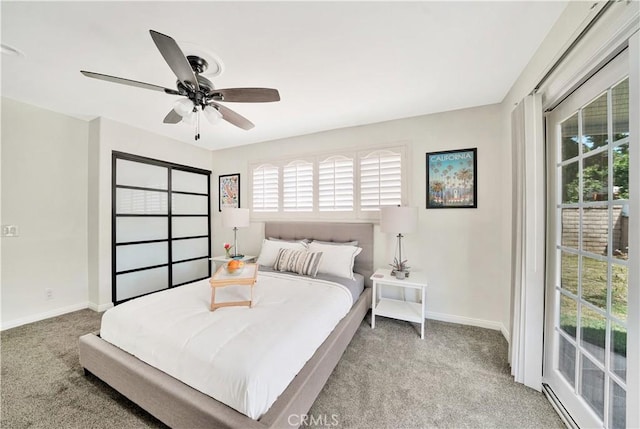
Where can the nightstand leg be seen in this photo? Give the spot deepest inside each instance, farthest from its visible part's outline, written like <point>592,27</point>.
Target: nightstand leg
<point>373,306</point>
<point>422,303</point>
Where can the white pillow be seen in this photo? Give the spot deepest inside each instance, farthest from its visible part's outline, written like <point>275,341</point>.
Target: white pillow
<point>337,259</point>
<point>337,243</point>
<point>302,240</point>
<point>270,249</point>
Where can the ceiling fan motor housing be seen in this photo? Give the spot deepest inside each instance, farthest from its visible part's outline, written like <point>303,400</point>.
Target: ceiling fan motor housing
<point>200,97</point>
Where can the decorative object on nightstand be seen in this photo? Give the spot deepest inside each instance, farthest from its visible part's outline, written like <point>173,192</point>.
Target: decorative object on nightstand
<point>227,250</point>
<point>399,220</point>
<point>235,218</point>
<point>395,308</point>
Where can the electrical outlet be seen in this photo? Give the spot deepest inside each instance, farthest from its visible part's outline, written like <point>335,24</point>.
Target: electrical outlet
<point>9,230</point>
<point>48,293</point>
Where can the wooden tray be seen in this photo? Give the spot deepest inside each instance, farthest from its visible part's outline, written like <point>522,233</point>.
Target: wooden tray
<point>221,279</point>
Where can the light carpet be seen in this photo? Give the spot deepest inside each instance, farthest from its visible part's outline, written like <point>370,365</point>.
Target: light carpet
<point>457,377</point>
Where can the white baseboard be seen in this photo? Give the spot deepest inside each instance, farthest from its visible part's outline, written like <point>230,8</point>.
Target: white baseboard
<point>100,308</point>
<point>505,333</point>
<point>481,323</point>
<point>41,316</point>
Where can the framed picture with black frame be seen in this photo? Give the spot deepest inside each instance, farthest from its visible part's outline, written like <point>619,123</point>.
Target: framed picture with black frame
<point>452,179</point>
<point>229,188</point>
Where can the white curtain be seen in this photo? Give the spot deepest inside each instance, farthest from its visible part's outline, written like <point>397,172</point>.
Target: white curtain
<point>528,243</point>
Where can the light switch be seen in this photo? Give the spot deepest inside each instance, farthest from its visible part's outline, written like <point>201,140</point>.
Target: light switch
<point>9,230</point>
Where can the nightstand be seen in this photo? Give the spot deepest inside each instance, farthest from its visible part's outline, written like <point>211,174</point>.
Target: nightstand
<point>395,308</point>
<point>220,260</point>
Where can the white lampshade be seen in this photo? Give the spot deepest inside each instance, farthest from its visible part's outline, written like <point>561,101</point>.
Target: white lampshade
<point>235,218</point>
<point>212,114</point>
<point>398,220</point>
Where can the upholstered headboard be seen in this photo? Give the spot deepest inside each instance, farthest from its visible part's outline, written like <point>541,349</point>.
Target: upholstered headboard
<point>330,231</point>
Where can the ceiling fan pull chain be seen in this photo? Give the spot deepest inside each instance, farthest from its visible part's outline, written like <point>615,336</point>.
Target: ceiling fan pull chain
<point>197,124</point>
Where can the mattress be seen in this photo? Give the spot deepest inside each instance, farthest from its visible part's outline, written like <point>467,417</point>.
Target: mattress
<point>242,357</point>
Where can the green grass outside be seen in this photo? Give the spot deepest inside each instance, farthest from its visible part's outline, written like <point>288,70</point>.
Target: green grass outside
<point>594,291</point>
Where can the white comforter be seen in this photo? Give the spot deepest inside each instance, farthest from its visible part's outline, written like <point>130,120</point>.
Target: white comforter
<point>243,357</point>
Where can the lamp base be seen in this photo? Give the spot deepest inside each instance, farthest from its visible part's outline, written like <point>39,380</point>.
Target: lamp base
<point>406,274</point>
<point>237,256</point>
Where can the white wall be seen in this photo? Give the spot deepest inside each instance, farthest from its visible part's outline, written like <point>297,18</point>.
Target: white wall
<point>106,136</point>
<point>463,250</point>
<point>44,193</point>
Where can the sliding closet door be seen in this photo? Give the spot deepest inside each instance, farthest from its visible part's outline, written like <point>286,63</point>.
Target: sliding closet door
<point>190,227</point>
<point>161,225</point>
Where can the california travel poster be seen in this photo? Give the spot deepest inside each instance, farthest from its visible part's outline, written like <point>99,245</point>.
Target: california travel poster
<point>451,179</point>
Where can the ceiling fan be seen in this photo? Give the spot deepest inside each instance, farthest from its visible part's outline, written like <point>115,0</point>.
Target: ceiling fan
<point>199,91</point>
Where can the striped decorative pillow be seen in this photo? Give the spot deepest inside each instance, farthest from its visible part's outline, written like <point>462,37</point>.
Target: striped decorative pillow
<point>298,261</point>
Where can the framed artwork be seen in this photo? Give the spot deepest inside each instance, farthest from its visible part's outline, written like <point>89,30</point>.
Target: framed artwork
<point>452,180</point>
<point>229,185</point>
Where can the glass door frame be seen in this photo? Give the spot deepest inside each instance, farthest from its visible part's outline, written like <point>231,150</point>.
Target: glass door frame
<point>562,389</point>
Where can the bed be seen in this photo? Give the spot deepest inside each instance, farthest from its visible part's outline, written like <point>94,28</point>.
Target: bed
<point>178,405</point>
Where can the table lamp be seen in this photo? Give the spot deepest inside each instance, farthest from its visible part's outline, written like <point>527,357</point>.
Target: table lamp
<point>399,220</point>
<point>235,218</point>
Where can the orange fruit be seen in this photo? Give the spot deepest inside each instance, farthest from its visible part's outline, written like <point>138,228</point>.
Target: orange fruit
<point>234,265</point>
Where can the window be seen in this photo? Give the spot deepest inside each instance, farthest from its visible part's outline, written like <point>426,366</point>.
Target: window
<point>297,184</point>
<point>380,180</point>
<point>161,226</point>
<point>265,188</point>
<point>348,184</point>
<point>335,184</point>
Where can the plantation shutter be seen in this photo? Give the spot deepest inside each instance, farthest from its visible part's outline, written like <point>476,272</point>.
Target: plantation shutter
<point>380,180</point>
<point>297,181</point>
<point>335,184</point>
<point>265,188</point>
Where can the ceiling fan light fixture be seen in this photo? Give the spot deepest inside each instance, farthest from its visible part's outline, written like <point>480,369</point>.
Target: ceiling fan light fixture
<point>189,118</point>
<point>183,107</point>
<point>212,114</point>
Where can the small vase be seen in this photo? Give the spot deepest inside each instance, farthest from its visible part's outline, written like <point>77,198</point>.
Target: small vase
<point>227,253</point>
<point>400,275</point>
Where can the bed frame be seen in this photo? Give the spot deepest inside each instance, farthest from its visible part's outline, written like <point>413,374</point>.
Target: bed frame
<point>180,406</point>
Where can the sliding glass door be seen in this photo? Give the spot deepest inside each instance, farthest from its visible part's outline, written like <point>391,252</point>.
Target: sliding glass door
<point>587,307</point>
<point>161,225</point>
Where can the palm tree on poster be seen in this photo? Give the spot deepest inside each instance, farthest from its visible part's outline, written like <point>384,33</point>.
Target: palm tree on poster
<point>436,188</point>
<point>466,177</point>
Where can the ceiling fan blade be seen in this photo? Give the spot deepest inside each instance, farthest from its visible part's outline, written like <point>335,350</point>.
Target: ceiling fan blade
<point>129,82</point>
<point>175,58</point>
<point>247,95</point>
<point>233,117</point>
<point>172,117</point>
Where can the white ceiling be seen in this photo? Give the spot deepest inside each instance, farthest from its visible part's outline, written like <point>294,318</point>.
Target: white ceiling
<point>336,64</point>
